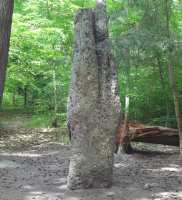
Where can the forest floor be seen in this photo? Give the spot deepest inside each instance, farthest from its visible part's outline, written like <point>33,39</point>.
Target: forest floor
<point>33,166</point>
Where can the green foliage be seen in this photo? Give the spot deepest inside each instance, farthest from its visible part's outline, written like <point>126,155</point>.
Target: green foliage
<point>38,121</point>
<point>41,45</point>
<point>41,42</point>
<point>140,40</point>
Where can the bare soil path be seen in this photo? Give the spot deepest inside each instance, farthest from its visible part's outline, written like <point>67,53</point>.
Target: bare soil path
<point>35,167</point>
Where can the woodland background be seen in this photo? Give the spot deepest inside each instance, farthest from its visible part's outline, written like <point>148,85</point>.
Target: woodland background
<point>40,57</point>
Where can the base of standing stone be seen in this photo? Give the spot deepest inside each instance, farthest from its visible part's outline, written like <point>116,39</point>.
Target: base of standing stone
<point>74,184</point>
<point>98,177</point>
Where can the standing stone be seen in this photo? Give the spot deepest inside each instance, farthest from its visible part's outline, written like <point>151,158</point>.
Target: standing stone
<point>94,104</point>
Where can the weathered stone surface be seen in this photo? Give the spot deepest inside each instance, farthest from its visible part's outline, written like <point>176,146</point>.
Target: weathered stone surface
<point>94,106</point>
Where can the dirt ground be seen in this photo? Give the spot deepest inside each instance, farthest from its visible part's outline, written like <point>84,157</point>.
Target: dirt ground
<point>35,167</point>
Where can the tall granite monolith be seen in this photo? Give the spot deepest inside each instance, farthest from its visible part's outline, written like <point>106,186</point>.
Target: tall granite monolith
<point>94,104</point>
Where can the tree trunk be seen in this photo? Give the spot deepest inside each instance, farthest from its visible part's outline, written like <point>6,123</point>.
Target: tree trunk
<point>6,11</point>
<point>172,78</point>
<point>163,87</point>
<point>126,145</point>
<point>176,102</point>
<point>55,118</point>
<point>14,97</point>
<point>94,106</point>
<point>25,95</point>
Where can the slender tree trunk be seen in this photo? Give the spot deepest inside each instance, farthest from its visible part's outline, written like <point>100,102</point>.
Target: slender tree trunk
<point>25,96</point>
<point>55,120</point>
<point>176,102</point>
<point>14,97</point>
<point>6,11</point>
<point>94,106</point>
<point>163,86</point>
<point>126,145</point>
<point>172,78</point>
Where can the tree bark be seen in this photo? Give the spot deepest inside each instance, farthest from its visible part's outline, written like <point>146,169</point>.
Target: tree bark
<point>171,74</point>
<point>94,106</point>
<point>6,12</point>
<point>55,118</point>
<point>163,87</point>
<point>176,102</point>
<point>126,146</point>
<point>14,97</point>
<point>25,95</point>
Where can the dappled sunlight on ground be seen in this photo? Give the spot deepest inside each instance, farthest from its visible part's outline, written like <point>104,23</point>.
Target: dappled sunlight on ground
<point>169,195</point>
<point>119,165</point>
<point>8,164</point>
<point>37,174</point>
<point>172,169</point>
<point>22,139</point>
<point>20,154</point>
<point>38,171</point>
<point>168,169</point>
<point>41,174</point>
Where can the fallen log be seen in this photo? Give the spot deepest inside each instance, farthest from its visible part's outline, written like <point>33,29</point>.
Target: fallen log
<point>156,135</point>
<point>147,134</point>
